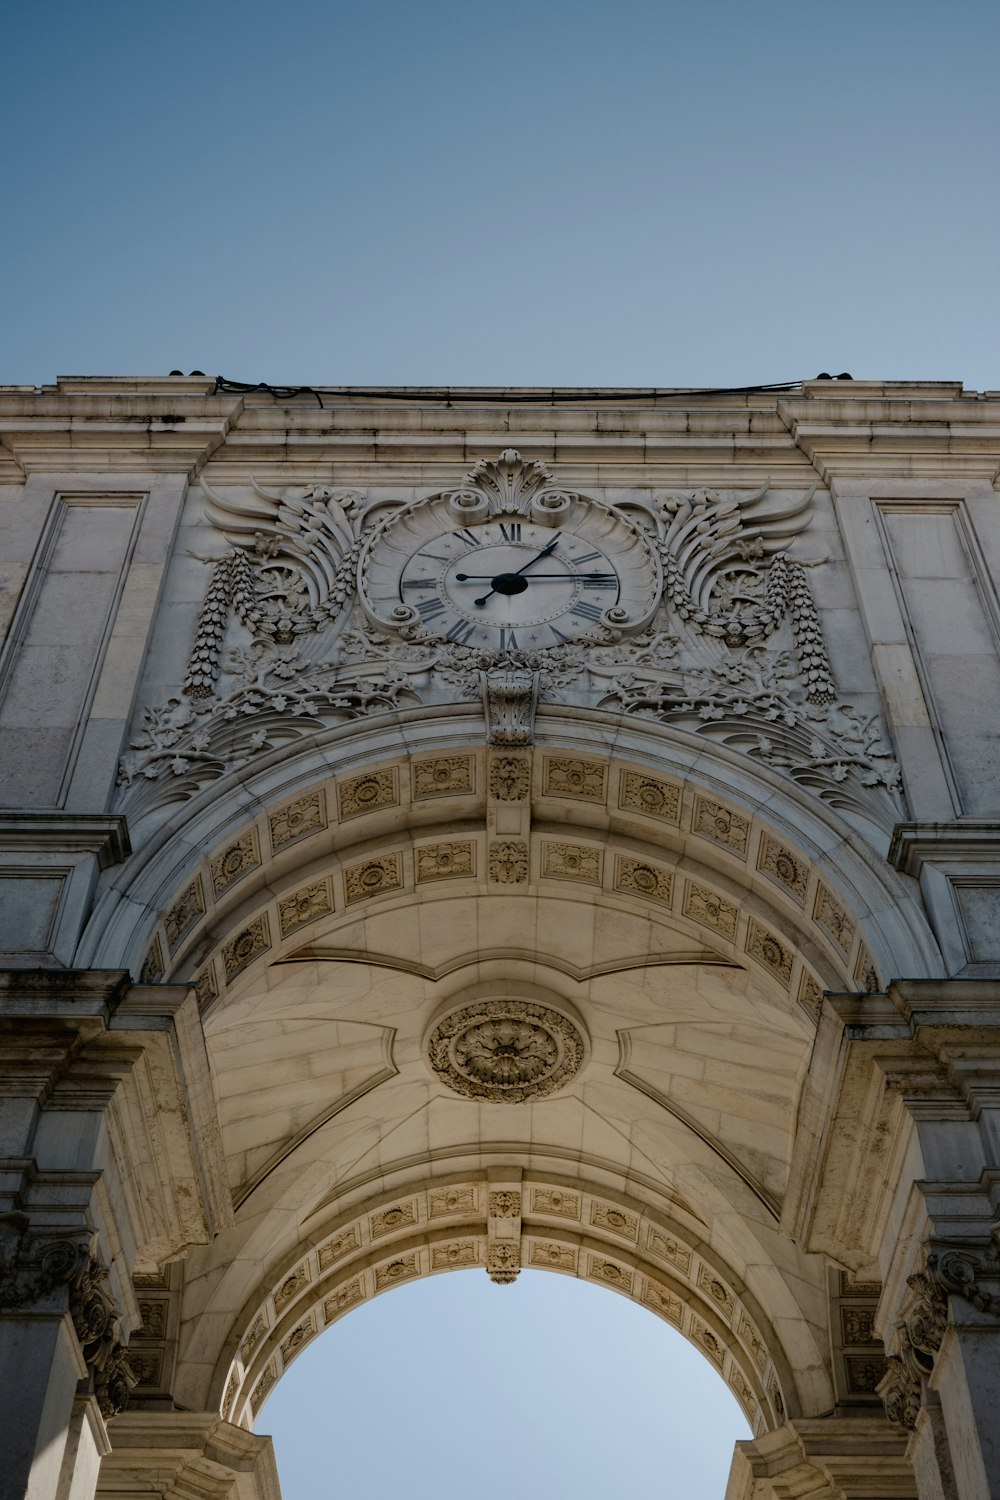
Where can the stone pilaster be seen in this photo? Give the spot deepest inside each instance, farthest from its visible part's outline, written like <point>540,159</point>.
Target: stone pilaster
<point>110,1164</point>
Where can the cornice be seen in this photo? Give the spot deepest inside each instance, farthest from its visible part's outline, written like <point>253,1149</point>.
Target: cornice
<point>103,834</point>
<point>428,435</point>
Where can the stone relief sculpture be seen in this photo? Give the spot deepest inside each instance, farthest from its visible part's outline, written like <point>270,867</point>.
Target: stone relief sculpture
<point>683,608</point>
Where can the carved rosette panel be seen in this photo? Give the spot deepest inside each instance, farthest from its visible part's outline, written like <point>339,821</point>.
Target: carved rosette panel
<point>505,1051</point>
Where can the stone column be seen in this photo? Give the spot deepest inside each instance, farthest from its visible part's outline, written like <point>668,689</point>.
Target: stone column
<point>109,1163</point>
<point>901,1133</point>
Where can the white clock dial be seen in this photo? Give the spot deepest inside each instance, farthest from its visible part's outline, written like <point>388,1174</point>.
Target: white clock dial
<point>510,585</point>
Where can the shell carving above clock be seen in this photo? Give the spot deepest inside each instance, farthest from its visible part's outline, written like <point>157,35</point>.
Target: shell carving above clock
<point>324,605</point>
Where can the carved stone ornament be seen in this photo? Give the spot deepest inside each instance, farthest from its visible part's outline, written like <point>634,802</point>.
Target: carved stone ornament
<point>919,1336</point>
<point>503,1261</point>
<point>510,700</point>
<point>505,1051</point>
<point>34,1269</point>
<point>326,607</point>
<point>510,778</point>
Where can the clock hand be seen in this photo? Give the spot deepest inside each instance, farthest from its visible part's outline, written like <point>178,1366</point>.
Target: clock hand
<point>545,552</point>
<point>566,577</point>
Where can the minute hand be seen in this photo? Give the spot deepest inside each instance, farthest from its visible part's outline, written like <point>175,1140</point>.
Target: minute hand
<point>564,577</point>
<point>545,552</point>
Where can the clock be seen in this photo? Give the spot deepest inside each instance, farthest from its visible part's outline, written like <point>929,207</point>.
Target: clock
<point>491,578</point>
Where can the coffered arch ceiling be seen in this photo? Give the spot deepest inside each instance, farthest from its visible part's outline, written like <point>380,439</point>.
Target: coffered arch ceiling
<point>682,921</point>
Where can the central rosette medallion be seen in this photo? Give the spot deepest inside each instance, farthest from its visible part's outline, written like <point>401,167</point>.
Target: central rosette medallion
<point>505,1050</point>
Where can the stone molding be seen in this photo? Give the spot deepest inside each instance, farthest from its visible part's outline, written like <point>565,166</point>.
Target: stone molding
<point>177,1455</point>
<point>829,1458</point>
<point>500,1219</point>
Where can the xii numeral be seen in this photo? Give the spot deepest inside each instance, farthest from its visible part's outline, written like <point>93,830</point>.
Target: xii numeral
<point>511,533</point>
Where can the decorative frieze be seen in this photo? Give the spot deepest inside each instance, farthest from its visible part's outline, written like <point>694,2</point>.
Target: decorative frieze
<point>783,867</point>
<point>563,776</point>
<point>452,1257</point>
<point>650,796</point>
<point>708,1340</point>
<point>334,1250</point>
<point>235,861</point>
<point>446,775</point>
<point>510,778</point>
<point>662,1301</point>
<point>297,820</point>
<point>508,862</point>
<point>572,862</point>
<point>556,1202</point>
<point>831,916</point>
<point>714,821</point>
<point>343,1299</point>
<point>553,1257</point>
<point>665,1247</point>
<point>373,877</point>
<point>753,1341</point>
<point>152,970</point>
<point>449,1201</point>
<point>401,1269</point>
<point>810,995</point>
<point>389,1220</point>
<point>250,943</point>
<point>256,1331</point>
<point>606,1216</point>
<point>710,909</point>
<point>368,793</point>
<point>452,861</point>
<point>608,1271</point>
<point>297,1339</point>
<point>717,1292</point>
<point>865,973</point>
<point>206,986</point>
<point>304,905</point>
<point>185,912</point>
<point>640,877</point>
<point>763,945</point>
<point>504,1205</point>
<point>290,1287</point>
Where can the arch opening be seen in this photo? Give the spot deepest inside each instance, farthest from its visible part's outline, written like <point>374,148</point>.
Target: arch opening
<point>444,1366</point>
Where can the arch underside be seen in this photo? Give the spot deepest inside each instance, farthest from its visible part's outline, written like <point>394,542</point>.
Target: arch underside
<point>682,921</point>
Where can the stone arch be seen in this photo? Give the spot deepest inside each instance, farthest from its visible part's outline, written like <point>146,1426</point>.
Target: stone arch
<point>355,868</point>
<point>572,1226</point>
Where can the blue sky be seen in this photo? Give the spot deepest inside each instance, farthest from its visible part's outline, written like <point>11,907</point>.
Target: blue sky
<point>528,193</point>
<point>459,192</point>
<point>453,1387</point>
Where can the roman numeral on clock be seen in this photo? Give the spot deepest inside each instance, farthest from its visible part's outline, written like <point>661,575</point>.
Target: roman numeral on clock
<point>428,608</point>
<point>586,557</point>
<point>584,610</point>
<point>461,631</point>
<point>508,640</point>
<point>469,538</point>
<point>511,533</point>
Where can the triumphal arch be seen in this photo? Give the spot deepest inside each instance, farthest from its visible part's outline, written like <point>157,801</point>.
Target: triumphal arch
<point>500,828</point>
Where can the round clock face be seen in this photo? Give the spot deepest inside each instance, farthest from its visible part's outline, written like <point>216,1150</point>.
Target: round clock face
<point>509,585</point>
